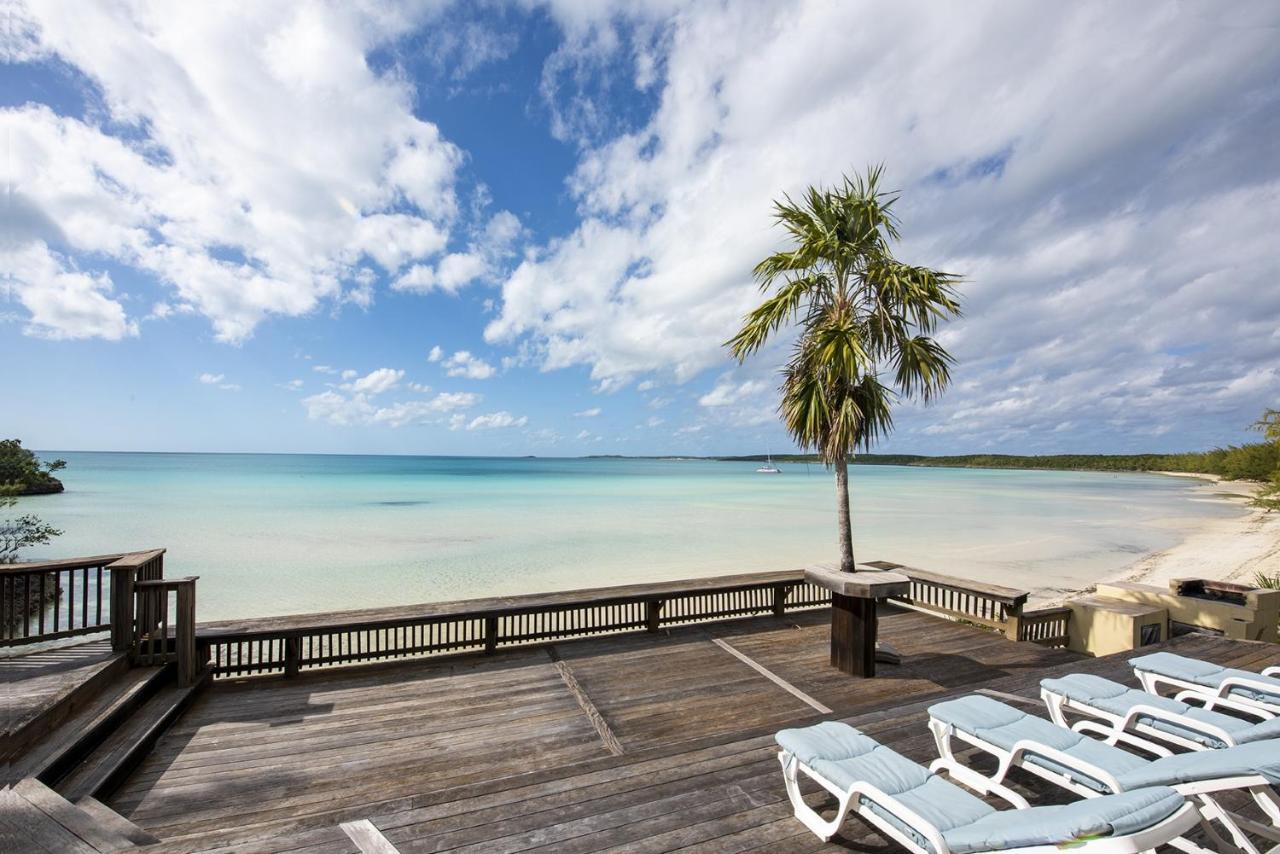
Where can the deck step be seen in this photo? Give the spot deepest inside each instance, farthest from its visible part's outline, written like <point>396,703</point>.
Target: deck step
<point>66,824</point>
<point>56,683</point>
<point>119,753</point>
<point>57,752</point>
<point>108,817</point>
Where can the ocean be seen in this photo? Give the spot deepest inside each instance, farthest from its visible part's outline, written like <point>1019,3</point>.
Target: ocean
<point>272,534</point>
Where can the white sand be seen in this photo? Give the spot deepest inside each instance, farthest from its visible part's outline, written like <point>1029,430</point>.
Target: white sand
<point>1234,549</point>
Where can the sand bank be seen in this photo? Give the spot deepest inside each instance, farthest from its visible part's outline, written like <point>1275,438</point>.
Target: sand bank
<point>1232,549</point>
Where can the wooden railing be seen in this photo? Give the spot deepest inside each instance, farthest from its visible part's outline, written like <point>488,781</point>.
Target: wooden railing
<point>1047,626</point>
<point>288,645</point>
<point>987,605</point>
<point>160,639</point>
<point>47,600</point>
<point>125,594</point>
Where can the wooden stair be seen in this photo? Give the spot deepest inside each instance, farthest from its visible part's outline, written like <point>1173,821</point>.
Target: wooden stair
<point>54,754</point>
<point>114,757</point>
<point>39,819</point>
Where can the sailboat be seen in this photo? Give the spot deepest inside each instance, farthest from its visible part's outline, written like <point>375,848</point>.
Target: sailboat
<point>768,467</point>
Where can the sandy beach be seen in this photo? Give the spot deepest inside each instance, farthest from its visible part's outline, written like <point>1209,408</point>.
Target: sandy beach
<point>1232,549</point>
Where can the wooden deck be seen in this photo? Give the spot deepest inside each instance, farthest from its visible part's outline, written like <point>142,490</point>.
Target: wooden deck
<point>280,763</point>
<point>637,743</point>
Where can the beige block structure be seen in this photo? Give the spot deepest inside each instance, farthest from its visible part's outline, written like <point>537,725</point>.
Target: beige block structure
<point>1121,616</point>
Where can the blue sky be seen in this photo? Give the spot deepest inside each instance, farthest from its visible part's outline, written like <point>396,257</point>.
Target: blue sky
<point>525,228</point>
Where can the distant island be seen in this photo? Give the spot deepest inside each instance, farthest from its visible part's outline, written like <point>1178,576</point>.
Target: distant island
<point>22,472</point>
<point>1254,461</point>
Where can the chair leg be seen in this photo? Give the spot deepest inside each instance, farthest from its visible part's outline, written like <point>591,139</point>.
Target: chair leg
<point>807,815</point>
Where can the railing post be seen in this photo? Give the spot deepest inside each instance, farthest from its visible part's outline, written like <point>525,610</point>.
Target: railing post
<point>780,598</point>
<point>292,655</point>
<point>122,598</point>
<point>189,665</point>
<point>652,614</point>
<point>1013,619</point>
<point>490,635</point>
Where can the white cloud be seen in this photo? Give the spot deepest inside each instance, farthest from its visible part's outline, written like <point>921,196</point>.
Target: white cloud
<point>419,387</point>
<point>219,381</point>
<point>654,421</point>
<point>1111,201</point>
<point>583,434</point>
<point>496,421</point>
<point>436,354</point>
<point>350,374</point>
<point>63,302</point>
<point>178,171</point>
<point>459,269</point>
<point>375,382</point>
<point>292,385</point>
<point>463,364</point>
<point>324,369</point>
<point>727,391</point>
<point>358,409</point>
<point>588,413</point>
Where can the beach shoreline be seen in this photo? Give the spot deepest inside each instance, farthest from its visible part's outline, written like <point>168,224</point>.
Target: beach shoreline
<point>1234,549</point>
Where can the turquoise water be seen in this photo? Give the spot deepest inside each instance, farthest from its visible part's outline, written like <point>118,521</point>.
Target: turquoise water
<point>279,534</point>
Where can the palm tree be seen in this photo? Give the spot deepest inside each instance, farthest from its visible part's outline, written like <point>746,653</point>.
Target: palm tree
<point>866,321</point>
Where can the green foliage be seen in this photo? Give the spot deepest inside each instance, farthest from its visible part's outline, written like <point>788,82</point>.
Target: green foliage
<point>1268,498</point>
<point>23,468</point>
<point>21,532</point>
<point>866,318</point>
<point>1267,582</point>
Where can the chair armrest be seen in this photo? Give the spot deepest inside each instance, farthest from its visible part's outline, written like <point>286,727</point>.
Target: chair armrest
<point>1231,682</point>
<point>1022,748</point>
<point>1176,719</point>
<point>902,812</point>
<point>1274,670</point>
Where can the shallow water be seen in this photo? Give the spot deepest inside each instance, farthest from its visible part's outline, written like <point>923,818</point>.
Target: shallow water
<point>279,534</point>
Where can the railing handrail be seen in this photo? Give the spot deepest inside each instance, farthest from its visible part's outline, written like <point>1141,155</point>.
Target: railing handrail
<point>1009,596</point>
<point>378,618</point>
<point>135,560</point>
<point>65,563</point>
<point>1055,611</point>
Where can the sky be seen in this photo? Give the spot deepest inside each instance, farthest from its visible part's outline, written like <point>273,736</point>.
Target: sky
<point>529,227</point>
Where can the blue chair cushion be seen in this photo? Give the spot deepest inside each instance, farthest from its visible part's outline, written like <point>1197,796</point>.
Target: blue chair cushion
<point>1117,699</point>
<point>1262,758</point>
<point>1004,726</point>
<point>845,756</point>
<point>1110,815</point>
<point>1206,673</point>
<point>841,754</point>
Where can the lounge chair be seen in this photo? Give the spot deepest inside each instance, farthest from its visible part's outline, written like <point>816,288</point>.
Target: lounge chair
<point>1213,685</point>
<point>926,814</point>
<point>1146,721</point>
<point>1092,768</point>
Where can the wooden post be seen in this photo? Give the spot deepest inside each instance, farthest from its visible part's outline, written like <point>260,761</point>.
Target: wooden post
<point>780,598</point>
<point>853,635</point>
<point>292,655</point>
<point>189,665</point>
<point>122,578</point>
<point>1013,619</point>
<point>652,613</point>
<point>490,635</point>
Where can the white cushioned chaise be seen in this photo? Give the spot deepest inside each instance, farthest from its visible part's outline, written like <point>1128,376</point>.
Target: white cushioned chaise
<point>926,814</point>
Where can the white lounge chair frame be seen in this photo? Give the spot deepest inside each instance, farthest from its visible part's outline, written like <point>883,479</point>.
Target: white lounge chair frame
<point>1126,728</point>
<point>1211,698</point>
<point>850,800</point>
<point>1201,791</point>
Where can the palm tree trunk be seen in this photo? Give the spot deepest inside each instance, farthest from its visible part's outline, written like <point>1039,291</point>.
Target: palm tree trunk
<point>842,514</point>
